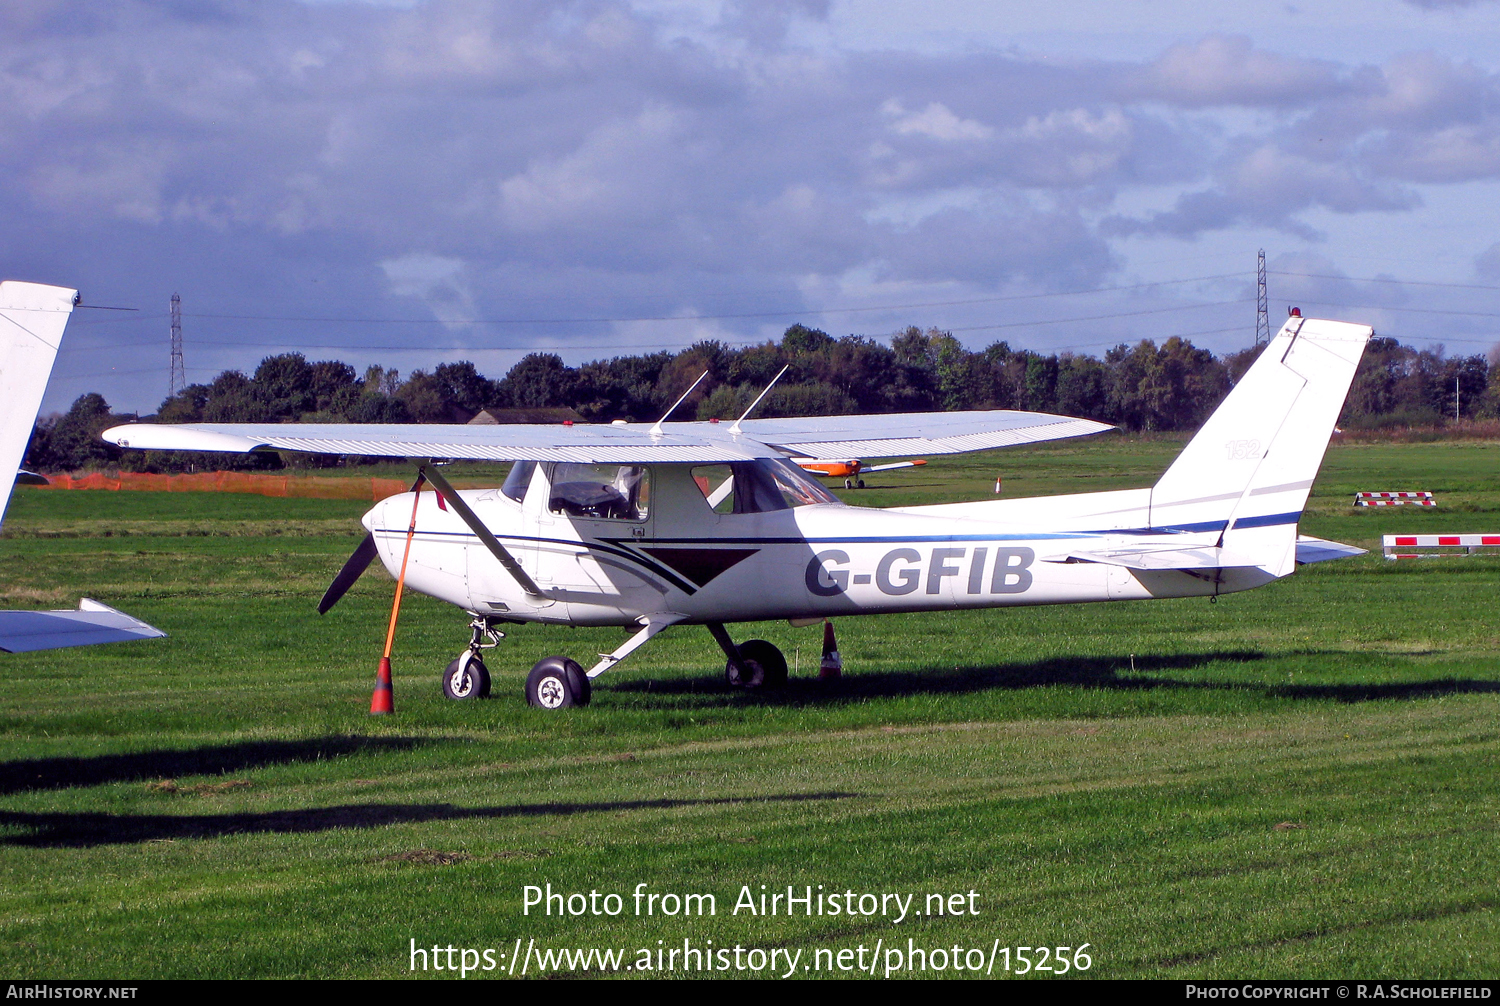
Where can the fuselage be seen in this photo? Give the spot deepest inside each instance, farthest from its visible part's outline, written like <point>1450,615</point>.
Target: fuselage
<point>679,549</point>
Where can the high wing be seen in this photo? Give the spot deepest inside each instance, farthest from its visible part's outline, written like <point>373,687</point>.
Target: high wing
<point>32,319</point>
<point>627,443</point>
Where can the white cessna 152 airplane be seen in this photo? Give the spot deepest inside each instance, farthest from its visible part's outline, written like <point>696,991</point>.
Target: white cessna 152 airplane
<point>708,523</point>
<point>32,319</point>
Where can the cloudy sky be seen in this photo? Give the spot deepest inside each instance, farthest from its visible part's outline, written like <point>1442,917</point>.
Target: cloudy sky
<point>432,180</point>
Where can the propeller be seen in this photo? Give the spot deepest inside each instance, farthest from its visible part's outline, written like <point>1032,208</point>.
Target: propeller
<point>353,569</point>
<point>355,566</point>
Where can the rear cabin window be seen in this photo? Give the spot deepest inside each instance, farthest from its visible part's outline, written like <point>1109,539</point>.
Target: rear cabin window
<point>758,486</point>
<point>611,492</point>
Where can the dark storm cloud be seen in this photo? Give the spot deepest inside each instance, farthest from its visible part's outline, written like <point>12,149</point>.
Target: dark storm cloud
<point>1355,145</point>
<point>463,159</point>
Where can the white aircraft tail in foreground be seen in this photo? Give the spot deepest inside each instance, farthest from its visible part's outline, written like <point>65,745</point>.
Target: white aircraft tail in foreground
<point>702,523</point>
<point>32,319</point>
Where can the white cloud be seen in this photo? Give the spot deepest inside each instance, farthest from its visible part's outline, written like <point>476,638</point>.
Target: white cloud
<point>438,281</point>
<point>936,121</point>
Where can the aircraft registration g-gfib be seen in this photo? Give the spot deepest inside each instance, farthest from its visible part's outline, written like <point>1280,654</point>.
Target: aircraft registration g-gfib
<point>709,524</point>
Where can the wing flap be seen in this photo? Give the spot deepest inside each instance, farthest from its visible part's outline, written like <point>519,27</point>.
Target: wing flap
<point>25,631</point>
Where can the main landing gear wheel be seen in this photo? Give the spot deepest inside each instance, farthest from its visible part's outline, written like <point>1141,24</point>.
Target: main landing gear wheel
<point>557,683</point>
<point>764,662</point>
<point>467,678</point>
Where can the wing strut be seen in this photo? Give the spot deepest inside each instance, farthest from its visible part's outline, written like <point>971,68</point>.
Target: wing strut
<point>735,429</point>
<point>429,470</point>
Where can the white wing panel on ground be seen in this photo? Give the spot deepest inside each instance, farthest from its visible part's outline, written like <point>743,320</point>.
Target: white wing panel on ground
<point>24,631</point>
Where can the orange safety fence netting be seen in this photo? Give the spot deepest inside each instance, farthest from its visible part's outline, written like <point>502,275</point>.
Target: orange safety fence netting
<point>311,486</point>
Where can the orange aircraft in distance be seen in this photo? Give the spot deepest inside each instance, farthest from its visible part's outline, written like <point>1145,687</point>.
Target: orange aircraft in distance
<point>850,470</point>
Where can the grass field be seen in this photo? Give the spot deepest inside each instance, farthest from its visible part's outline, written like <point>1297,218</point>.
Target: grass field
<point>1299,781</point>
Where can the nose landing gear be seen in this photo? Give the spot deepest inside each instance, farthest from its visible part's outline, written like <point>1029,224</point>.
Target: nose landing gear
<point>467,677</point>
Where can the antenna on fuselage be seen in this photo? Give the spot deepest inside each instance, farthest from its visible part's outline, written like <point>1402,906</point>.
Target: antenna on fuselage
<point>735,429</point>
<point>656,430</point>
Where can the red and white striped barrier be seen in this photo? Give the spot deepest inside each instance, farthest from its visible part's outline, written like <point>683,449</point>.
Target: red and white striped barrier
<point>1472,544</point>
<point>1394,499</point>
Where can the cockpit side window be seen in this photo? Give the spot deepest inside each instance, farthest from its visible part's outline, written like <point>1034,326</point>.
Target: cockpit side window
<point>612,492</point>
<point>797,487</point>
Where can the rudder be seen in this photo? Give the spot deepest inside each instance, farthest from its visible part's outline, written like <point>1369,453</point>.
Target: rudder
<point>1247,473</point>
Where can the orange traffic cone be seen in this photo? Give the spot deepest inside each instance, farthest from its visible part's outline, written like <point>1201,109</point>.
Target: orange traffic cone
<point>383,701</point>
<point>832,666</point>
<point>997,484</point>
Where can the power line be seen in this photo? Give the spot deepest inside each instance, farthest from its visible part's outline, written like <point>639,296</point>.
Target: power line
<point>234,343</point>
<point>1098,317</point>
<point>1386,279</point>
<point>1404,310</point>
<point>715,317</point>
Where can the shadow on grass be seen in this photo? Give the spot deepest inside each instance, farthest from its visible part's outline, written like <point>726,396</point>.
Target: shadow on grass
<point>1114,673</point>
<point>61,773</point>
<point>64,830</point>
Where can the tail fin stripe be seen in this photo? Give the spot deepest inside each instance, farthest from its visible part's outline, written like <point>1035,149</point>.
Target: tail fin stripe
<point>1285,488</point>
<point>1270,520</point>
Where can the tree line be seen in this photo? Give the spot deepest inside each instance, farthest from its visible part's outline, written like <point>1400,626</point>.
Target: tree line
<point>1140,387</point>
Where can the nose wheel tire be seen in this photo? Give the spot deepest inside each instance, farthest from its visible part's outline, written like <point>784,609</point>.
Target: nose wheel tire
<point>557,683</point>
<point>466,678</point>
<point>764,662</point>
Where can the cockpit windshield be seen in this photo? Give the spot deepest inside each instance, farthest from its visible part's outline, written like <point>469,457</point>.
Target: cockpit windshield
<point>518,479</point>
<point>758,486</point>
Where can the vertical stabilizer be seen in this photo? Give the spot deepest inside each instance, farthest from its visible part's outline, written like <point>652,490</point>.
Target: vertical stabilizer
<point>32,318</point>
<point>1247,473</point>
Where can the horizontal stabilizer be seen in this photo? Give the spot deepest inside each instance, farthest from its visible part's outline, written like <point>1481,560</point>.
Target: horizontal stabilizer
<point>1186,559</point>
<point>25,631</point>
<point>1310,549</point>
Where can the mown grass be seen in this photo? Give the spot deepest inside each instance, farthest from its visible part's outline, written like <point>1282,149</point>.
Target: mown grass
<point>1293,782</point>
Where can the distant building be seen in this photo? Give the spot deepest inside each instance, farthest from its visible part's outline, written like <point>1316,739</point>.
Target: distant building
<point>507,417</point>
